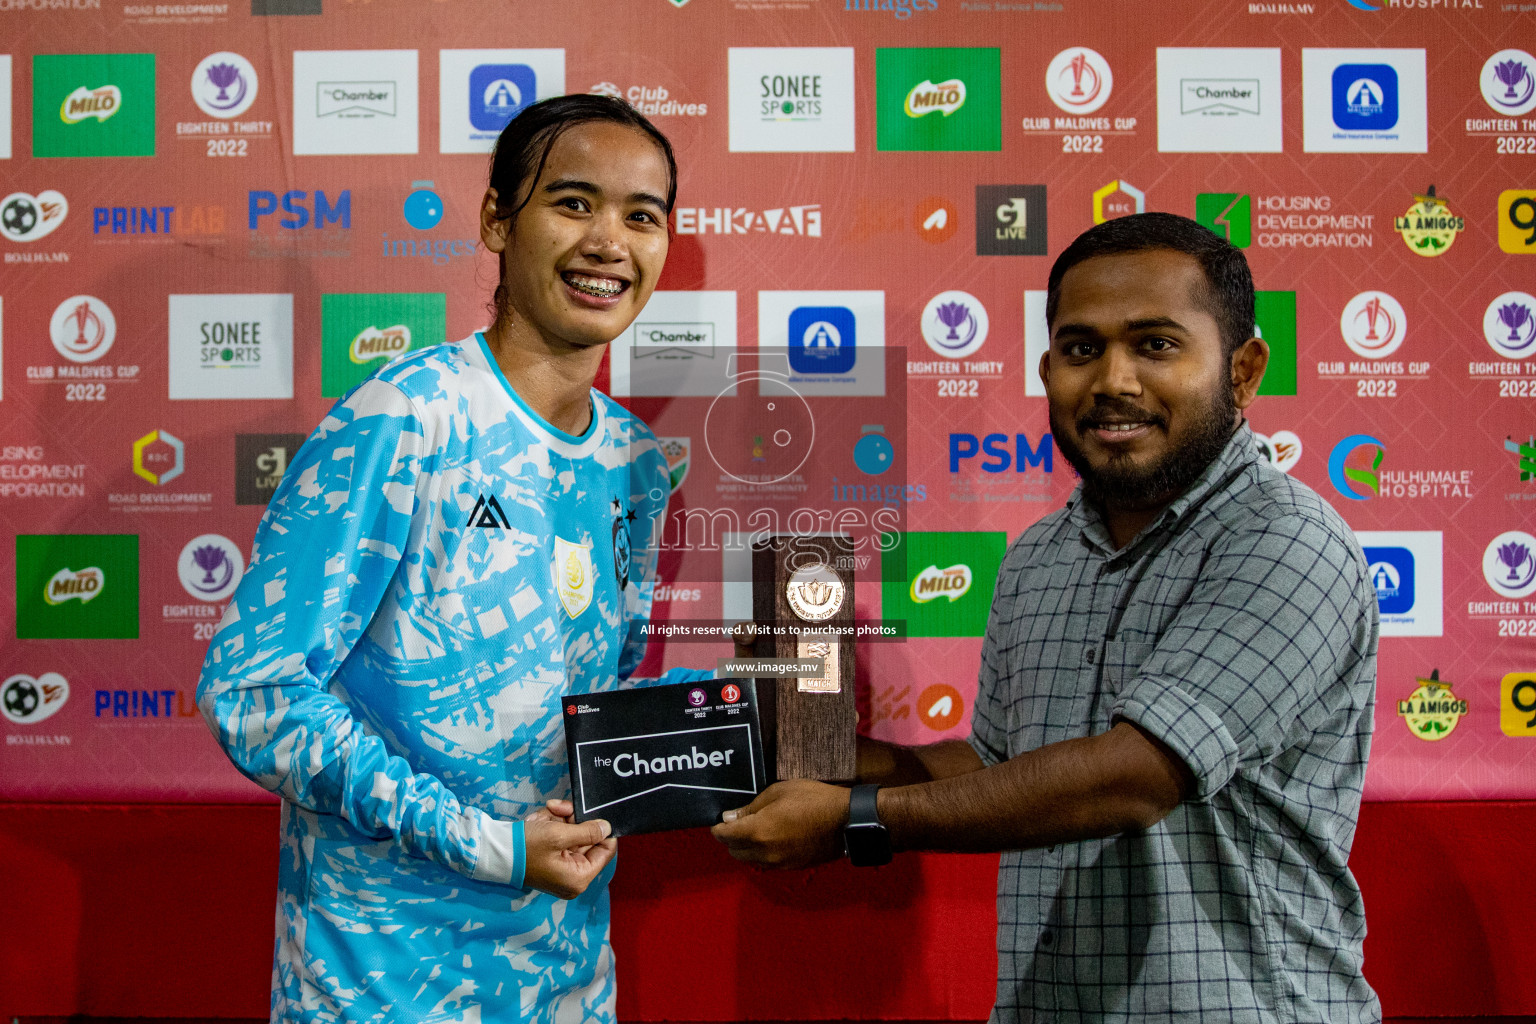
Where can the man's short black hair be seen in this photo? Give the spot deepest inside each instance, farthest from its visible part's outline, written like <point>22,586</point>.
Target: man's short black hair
<point>1229,292</point>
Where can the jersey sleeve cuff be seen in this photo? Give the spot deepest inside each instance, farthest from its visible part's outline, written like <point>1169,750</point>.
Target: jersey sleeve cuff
<point>503,853</point>
<point>1191,730</point>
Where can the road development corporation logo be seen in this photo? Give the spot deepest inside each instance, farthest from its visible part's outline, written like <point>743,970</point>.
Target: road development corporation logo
<point>681,344</point>
<point>82,328</point>
<point>949,589</point>
<point>938,98</point>
<point>27,700</point>
<point>1218,100</point>
<point>791,99</point>
<point>77,586</point>
<point>479,91</point>
<point>224,84</point>
<point>1364,101</point>
<point>260,462</point>
<point>230,346</point>
<point>1373,325</point>
<point>1354,482</point>
<point>26,218</point>
<point>954,324</point>
<point>210,567</point>
<point>1429,227</point>
<point>1509,564</point>
<point>1432,709</point>
<point>1509,325</point>
<point>159,457</point>
<point>100,104</point>
<point>354,102</point>
<point>1406,569</point>
<point>1508,81</point>
<point>1079,80</point>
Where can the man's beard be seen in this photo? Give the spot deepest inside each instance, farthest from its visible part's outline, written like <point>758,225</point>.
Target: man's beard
<point>1124,486</point>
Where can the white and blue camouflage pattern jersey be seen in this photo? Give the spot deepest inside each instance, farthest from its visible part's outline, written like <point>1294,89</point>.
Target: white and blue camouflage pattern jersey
<point>437,567</point>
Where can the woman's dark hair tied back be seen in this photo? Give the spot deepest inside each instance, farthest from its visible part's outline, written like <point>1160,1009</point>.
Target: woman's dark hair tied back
<point>524,144</point>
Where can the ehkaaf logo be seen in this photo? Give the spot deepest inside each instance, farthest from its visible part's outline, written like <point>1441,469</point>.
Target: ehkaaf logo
<point>83,103</point>
<point>260,462</point>
<point>26,218</point>
<point>725,220</point>
<point>25,700</point>
<point>299,209</point>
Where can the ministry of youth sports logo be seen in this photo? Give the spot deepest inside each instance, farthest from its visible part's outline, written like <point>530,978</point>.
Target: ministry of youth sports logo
<point>1373,325</point>
<point>1079,80</point>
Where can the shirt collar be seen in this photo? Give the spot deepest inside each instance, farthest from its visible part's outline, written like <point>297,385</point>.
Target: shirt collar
<point>1241,451</point>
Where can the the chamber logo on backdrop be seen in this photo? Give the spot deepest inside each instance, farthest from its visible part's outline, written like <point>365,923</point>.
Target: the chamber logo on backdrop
<point>1432,710</point>
<point>651,100</point>
<point>93,105</point>
<point>941,583</point>
<point>77,586</point>
<point>27,700</point>
<point>210,567</point>
<point>1117,199</point>
<point>682,344</point>
<point>1509,564</point>
<point>159,457</point>
<point>835,341</point>
<point>1364,101</point>
<point>1011,220</point>
<point>1079,80</point>
<point>360,332</point>
<point>479,91</point>
<point>1509,325</point>
<point>962,86</point>
<point>1407,569</point>
<point>954,324</point>
<point>1429,227</point>
<point>230,346</point>
<point>791,99</point>
<point>260,462</point>
<point>1508,82</point>
<point>1219,100</point>
<point>354,102</point>
<point>82,328</point>
<point>1517,221</point>
<point>26,218</point>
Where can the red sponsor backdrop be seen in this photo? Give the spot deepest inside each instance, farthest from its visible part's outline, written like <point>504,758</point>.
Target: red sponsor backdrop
<point>1321,225</point>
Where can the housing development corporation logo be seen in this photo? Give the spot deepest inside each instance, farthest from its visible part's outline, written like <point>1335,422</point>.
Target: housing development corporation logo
<point>1373,325</point>
<point>93,105</point>
<point>479,91</point>
<point>82,328</point>
<point>1508,82</point>
<point>786,99</point>
<point>224,85</point>
<point>77,586</point>
<point>1010,220</point>
<point>1079,80</point>
<point>1429,227</point>
<point>260,462</point>
<point>1218,100</point>
<point>1509,325</point>
<point>938,98</point>
<point>26,218</point>
<point>1354,482</point>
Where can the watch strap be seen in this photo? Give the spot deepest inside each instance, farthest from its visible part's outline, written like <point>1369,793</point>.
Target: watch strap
<point>864,805</point>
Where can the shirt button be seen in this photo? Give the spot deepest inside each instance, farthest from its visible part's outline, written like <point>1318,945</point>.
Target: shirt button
<point>1091,654</point>
<point>1047,937</point>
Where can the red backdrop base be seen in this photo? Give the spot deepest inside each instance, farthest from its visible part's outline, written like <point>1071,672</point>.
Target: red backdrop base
<point>167,911</point>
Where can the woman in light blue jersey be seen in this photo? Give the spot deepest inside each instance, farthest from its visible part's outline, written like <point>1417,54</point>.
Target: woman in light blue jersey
<point>470,533</point>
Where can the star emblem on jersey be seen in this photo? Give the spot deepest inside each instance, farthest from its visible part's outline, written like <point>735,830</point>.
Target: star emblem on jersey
<point>621,542</point>
<point>573,575</point>
<point>487,513</point>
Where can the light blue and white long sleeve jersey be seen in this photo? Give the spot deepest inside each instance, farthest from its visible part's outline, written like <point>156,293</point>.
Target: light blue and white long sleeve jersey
<point>437,567</point>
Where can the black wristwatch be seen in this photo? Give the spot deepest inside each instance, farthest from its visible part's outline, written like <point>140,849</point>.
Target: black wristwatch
<point>866,840</point>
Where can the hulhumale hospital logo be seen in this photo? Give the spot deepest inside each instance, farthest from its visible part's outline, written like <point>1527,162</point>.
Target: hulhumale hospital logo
<point>1509,564</point>
<point>1509,325</point>
<point>1356,484</point>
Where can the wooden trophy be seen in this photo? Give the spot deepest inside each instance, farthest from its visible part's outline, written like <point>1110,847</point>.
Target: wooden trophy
<point>802,602</point>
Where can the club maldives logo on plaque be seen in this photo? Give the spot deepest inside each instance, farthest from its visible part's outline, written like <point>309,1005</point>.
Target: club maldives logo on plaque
<point>1508,82</point>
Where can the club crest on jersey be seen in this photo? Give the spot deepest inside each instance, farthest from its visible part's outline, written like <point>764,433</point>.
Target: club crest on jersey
<point>621,542</point>
<point>573,575</point>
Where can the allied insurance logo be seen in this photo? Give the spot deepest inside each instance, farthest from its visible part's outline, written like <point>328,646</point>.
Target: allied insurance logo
<point>479,91</point>
<point>1508,81</point>
<point>1509,325</point>
<point>1079,80</point>
<point>1432,709</point>
<point>1407,568</point>
<point>82,328</point>
<point>26,218</point>
<point>1354,482</point>
<point>1429,227</point>
<point>1373,325</point>
<point>93,105</point>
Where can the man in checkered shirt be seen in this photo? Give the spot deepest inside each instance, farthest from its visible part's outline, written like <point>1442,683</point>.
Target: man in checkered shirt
<point>1177,683</point>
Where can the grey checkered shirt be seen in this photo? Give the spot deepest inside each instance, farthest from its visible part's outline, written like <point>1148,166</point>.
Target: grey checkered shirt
<point>1240,629</point>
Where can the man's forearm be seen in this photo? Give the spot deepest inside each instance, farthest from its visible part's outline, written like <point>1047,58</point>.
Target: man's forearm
<point>890,764</point>
<point>1086,788</point>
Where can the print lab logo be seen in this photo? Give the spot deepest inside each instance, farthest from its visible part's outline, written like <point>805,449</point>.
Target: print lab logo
<point>210,567</point>
<point>27,700</point>
<point>1406,568</point>
<point>1509,325</point>
<point>224,85</point>
<point>1509,564</point>
<point>1373,325</point>
<point>26,218</point>
<point>954,324</point>
<point>791,99</point>
<point>1355,483</point>
<point>82,328</point>
<point>1010,220</point>
<point>1079,80</point>
<point>1508,81</point>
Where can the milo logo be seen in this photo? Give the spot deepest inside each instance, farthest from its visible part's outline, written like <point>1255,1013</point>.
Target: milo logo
<point>933,583</point>
<point>69,585</point>
<point>86,103</point>
<point>927,97</point>
<point>372,343</point>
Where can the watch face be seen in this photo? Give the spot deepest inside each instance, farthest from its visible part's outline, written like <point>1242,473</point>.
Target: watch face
<point>869,846</point>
